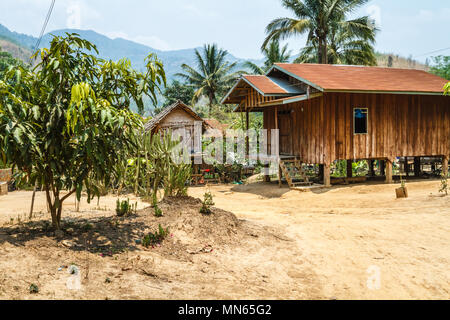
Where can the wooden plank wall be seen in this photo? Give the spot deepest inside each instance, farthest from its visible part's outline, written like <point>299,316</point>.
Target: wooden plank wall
<point>398,125</point>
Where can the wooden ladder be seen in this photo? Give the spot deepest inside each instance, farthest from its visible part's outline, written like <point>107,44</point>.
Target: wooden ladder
<point>293,171</point>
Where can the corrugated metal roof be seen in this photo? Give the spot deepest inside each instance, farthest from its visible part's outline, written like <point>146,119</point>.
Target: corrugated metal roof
<point>365,79</point>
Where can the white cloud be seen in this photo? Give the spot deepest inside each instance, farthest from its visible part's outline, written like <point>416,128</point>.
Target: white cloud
<point>374,12</point>
<point>425,15</point>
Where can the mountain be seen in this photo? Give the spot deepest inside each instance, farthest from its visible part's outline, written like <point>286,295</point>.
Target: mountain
<point>116,49</point>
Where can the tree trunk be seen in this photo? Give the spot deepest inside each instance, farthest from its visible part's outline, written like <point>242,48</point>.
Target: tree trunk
<point>32,200</point>
<point>211,101</point>
<point>322,51</point>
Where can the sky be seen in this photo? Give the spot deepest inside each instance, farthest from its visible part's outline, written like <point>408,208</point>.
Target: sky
<point>414,28</point>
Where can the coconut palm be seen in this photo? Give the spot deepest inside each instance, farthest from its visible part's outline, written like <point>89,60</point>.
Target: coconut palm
<point>273,53</point>
<point>316,18</point>
<point>213,74</point>
<point>343,48</point>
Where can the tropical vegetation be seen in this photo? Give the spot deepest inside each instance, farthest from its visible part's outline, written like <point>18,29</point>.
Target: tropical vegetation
<point>273,53</point>
<point>61,122</point>
<point>212,76</point>
<point>324,21</point>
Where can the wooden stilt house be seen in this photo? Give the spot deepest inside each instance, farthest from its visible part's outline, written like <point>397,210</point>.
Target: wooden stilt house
<point>331,112</point>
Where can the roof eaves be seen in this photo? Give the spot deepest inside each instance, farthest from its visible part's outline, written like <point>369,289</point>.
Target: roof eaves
<point>279,68</point>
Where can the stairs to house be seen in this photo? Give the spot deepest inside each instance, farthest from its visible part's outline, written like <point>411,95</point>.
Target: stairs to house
<point>294,174</point>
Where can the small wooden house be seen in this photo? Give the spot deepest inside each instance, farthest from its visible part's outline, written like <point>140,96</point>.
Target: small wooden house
<point>331,112</point>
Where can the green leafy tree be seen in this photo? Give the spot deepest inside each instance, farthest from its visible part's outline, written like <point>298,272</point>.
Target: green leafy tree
<point>273,53</point>
<point>447,89</point>
<point>7,61</point>
<point>441,67</point>
<point>344,47</point>
<point>316,19</point>
<point>212,76</point>
<point>176,91</point>
<point>67,123</point>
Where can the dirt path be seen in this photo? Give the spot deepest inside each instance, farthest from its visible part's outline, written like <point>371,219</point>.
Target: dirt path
<point>349,234</point>
<point>285,245</point>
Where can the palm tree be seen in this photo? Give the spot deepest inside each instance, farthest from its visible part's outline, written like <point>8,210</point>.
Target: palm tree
<point>213,75</point>
<point>343,48</point>
<point>273,53</point>
<point>315,18</point>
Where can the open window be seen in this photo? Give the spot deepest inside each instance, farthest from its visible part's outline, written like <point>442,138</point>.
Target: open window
<point>360,120</point>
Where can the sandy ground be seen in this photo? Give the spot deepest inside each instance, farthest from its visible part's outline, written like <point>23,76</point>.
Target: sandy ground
<point>349,242</point>
<point>348,235</point>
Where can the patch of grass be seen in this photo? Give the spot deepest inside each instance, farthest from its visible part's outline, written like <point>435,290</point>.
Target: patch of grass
<point>157,237</point>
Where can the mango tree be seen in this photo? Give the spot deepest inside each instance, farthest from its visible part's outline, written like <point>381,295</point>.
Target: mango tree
<point>67,123</point>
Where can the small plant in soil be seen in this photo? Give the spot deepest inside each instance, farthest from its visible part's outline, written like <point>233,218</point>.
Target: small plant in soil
<point>34,289</point>
<point>207,203</point>
<point>444,185</point>
<point>158,211</point>
<point>123,208</point>
<point>157,237</point>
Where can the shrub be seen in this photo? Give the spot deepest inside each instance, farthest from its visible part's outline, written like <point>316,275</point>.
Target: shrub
<point>158,211</point>
<point>124,208</point>
<point>207,203</point>
<point>156,237</point>
<point>34,288</point>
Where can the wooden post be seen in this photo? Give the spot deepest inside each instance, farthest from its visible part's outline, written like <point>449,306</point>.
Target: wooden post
<point>327,175</point>
<point>372,168</point>
<point>247,126</point>
<point>349,168</point>
<point>320,172</point>
<point>388,170</point>
<point>445,166</point>
<point>417,167</point>
<point>382,168</point>
<point>406,167</point>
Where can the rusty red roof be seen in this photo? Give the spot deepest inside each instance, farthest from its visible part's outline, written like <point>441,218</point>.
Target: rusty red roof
<point>357,78</point>
<point>264,84</point>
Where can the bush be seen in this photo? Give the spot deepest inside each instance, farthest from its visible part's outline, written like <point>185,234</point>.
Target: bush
<point>157,237</point>
<point>123,208</point>
<point>207,203</point>
<point>158,211</point>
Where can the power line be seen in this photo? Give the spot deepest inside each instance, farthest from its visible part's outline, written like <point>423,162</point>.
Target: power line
<point>47,18</point>
<point>428,53</point>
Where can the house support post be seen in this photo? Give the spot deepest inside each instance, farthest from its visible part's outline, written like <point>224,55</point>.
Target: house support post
<point>382,168</point>
<point>327,175</point>
<point>445,166</point>
<point>371,168</point>
<point>247,126</point>
<point>417,167</point>
<point>406,167</point>
<point>388,170</point>
<point>349,168</point>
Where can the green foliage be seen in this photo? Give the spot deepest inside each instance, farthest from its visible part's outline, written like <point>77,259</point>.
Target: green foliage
<point>154,238</point>
<point>67,123</point>
<point>123,208</point>
<point>318,19</point>
<point>444,184</point>
<point>213,75</point>
<point>158,211</point>
<point>34,289</point>
<point>177,91</point>
<point>7,61</point>
<point>447,89</point>
<point>441,66</point>
<point>151,166</point>
<point>343,48</point>
<point>273,53</point>
<point>207,203</point>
